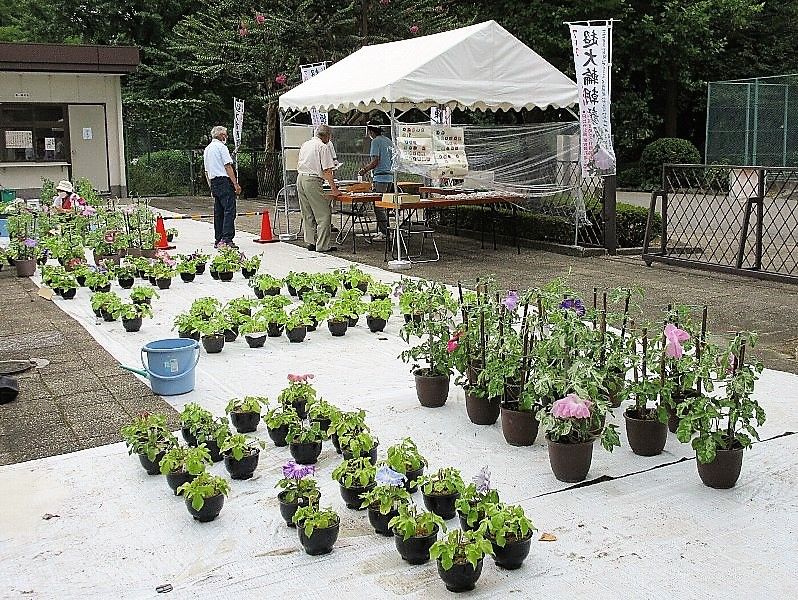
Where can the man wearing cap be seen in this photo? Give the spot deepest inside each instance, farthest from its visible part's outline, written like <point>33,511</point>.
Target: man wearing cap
<point>314,166</point>
<point>66,200</point>
<point>224,186</point>
<point>383,173</point>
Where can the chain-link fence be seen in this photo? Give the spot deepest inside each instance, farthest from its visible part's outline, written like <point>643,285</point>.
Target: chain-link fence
<point>753,121</point>
<point>730,218</point>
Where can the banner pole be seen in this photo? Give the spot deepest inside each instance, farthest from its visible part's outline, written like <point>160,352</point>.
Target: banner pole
<point>398,264</point>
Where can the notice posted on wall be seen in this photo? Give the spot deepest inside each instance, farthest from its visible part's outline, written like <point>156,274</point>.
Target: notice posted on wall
<point>49,144</point>
<point>19,139</point>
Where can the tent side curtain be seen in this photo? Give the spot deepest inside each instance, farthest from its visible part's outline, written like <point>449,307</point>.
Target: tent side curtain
<point>482,67</point>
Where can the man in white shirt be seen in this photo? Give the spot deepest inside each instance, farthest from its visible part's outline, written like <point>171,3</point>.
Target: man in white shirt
<point>224,186</point>
<point>315,165</point>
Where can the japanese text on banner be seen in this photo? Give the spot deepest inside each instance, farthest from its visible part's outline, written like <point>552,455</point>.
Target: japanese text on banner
<point>309,71</point>
<point>238,122</point>
<point>592,49</point>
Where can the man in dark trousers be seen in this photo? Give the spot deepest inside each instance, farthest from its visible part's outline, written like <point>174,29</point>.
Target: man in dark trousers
<point>224,186</point>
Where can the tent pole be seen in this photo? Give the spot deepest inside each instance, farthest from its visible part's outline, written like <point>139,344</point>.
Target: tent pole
<point>398,264</point>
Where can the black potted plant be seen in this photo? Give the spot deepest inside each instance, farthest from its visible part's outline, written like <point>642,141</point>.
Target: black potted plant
<point>338,319</point>
<point>212,334</point>
<point>163,274</point>
<point>171,234</point>
<point>266,285</point>
<point>143,295</point>
<point>472,505</point>
<point>441,490</point>
<point>355,477</point>
<point>304,441</point>
<point>328,282</point>
<point>272,311</point>
<point>459,557</point>
<point>510,533</point>
<point>188,326</point>
<point>205,496</point>
<point>200,259</point>
<point>299,394</point>
<point>192,418</point>
<point>245,413</point>
<point>182,464</point>
<point>241,455</point>
<point>187,269</point>
<point>312,313</point>
<point>150,438</point>
<point>98,281</point>
<point>298,282</point>
<point>226,263</point>
<point>378,290</point>
<point>298,489</point>
<point>383,501</point>
<point>351,302</point>
<point>125,275</point>
<point>250,266</point>
<point>200,426</point>
<point>377,314</point>
<point>255,331</point>
<point>345,422</point>
<point>318,529</point>
<point>415,531</point>
<point>359,444</point>
<point>721,426</point>
<point>278,420</point>
<point>132,315</point>
<point>322,412</point>
<point>64,284</point>
<point>355,278</point>
<point>231,320</point>
<point>296,326</point>
<point>405,458</point>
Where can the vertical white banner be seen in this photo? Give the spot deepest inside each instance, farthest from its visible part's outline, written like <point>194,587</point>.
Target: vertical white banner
<point>592,45</point>
<point>308,71</point>
<point>238,122</point>
<point>440,115</point>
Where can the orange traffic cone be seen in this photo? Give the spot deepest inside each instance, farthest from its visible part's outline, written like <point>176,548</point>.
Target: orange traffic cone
<point>163,243</point>
<point>266,230</point>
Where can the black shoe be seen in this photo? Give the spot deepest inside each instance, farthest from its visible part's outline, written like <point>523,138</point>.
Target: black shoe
<point>334,229</point>
<point>311,247</point>
<point>331,249</point>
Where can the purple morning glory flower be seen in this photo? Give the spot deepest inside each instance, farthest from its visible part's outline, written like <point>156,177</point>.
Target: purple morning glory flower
<point>574,304</point>
<point>510,302</point>
<point>387,476</point>
<point>30,242</point>
<point>398,291</point>
<point>482,480</point>
<point>292,470</point>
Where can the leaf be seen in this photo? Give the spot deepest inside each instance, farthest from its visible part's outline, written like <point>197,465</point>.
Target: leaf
<point>548,537</point>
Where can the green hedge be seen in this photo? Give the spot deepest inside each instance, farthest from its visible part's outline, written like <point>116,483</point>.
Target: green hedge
<point>164,172</point>
<point>630,224</point>
<point>662,151</point>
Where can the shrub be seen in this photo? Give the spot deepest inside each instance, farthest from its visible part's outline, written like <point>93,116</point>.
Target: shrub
<point>630,225</point>
<point>161,172</point>
<point>630,178</point>
<point>531,226</point>
<point>665,150</point>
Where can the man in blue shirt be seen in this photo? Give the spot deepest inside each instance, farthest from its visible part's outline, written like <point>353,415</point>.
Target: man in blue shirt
<point>383,173</point>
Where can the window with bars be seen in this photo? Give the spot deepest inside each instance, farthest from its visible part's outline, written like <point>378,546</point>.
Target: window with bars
<point>34,133</point>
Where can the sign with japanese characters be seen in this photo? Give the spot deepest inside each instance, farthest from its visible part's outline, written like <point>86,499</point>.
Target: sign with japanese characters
<point>592,46</point>
<point>449,152</point>
<point>309,71</point>
<point>434,151</point>
<point>238,122</point>
<point>19,139</point>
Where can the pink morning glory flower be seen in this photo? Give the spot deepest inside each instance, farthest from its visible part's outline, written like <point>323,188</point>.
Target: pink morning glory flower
<point>675,337</point>
<point>243,31</point>
<point>414,29</point>
<point>89,211</point>
<point>300,378</point>
<point>280,79</point>
<point>572,406</point>
<point>260,19</point>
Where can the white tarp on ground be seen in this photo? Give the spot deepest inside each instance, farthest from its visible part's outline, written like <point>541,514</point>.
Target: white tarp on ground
<point>120,533</point>
<point>480,67</point>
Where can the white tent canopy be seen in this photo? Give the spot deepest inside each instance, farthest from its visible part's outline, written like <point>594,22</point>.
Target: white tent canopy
<point>480,67</point>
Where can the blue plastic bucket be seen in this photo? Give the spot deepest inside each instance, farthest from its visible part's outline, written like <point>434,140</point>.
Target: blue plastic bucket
<point>3,227</point>
<point>170,365</point>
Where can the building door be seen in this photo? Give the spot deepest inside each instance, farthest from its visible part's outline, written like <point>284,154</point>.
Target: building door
<point>89,146</point>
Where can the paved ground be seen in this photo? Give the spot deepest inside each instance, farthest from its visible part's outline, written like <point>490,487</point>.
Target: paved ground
<point>736,303</point>
<point>79,400</point>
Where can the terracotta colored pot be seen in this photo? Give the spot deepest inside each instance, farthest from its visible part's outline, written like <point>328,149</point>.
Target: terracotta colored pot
<point>520,428</point>
<point>647,437</point>
<point>26,267</point>
<point>482,411</point>
<point>570,462</point>
<point>433,390</point>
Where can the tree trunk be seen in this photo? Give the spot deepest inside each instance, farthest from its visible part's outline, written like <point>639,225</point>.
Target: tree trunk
<point>272,123</point>
<point>364,20</point>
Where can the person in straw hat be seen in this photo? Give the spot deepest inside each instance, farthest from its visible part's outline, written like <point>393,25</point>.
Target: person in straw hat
<point>66,200</point>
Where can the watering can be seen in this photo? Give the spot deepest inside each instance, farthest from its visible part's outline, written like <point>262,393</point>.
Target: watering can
<point>169,365</point>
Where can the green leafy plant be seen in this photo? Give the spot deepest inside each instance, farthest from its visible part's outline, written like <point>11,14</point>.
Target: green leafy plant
<point>358,443</point>
<point>355,472</point>
<point>299,280</point>
<point>312,517</point>
<point>187,323</point>
<point>186,267</point>
<point>346,422</point>
<point>193,417</point>
<point>300,432</point>
<point>299,390</point>
<point>461,547</point>
<point>404,457</point>
<point>107,301</point>
<point>725,421</point>
<point>203,486</point>
<point>329,282</point>
<point>297,487</point>
<point>311,312</point>
<point>213,326</point>
<point>184,459</point>
<point>125,270</point>
<point>140,292</point>
<point>228,260</point>
<point>248,404</point>
<point>205,307</point>
<point>131,310</point>
<point>443,482</point>
<point>265,283</point>
<point>476,498</point>
<point>97,279</point>
<point>241,305</point>
<point>412,522</point>
<point>507,523</point>
<point>252,263</point>
<point>434,330</point>
<point>280,416</point>
<point>320,409</point>
<point>355,277</point>
<point>385,498</point>
<point>148,434</point>
<point>296,319</point>
<point>238,446</point>
<point>380,309</point>
<point>378,290</point>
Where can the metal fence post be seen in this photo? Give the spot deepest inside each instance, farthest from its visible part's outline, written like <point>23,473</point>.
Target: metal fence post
<point>609,216</point>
